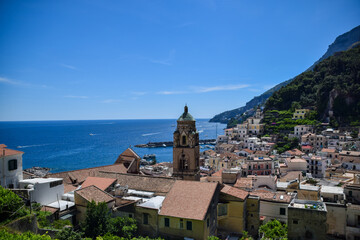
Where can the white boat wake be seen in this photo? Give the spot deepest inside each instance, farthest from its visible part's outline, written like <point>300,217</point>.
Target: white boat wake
<point>149,134</point>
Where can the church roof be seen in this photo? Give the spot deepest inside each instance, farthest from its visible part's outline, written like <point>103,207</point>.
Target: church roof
<point>186,116</point>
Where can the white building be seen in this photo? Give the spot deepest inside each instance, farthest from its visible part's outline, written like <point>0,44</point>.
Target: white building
<point>252,143</point>
<point>300,130</point>
<point>316,165</point>
<point>11,171</point>
<point>44,190</point>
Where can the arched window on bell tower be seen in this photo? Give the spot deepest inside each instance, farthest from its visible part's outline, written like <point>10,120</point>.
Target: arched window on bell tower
<point>184,165</point>
<point>183,140</point>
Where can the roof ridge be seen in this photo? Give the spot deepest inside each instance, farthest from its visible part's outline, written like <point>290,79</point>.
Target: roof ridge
<point>95,187</point>
<point>86,168</point>
<point>138,175</point>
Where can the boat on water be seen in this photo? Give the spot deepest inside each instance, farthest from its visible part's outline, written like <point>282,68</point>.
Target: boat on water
<point>148,159</point>
<point>91,134</point>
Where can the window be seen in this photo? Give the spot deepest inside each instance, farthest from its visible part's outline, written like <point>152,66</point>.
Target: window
<point>208,222</point>
<point>181,223</point>
<point>350,193</point>
<point>56,183</point>
<point>12,164</point>
<point>295,222</point>
<point>167,222</point>
<point>130,215</point>
<point>251,215</point>
<point>222,210</point>
<point>188,225</point>
<point>145,218</point>
<point>282,211</point>
<point>184,140</point>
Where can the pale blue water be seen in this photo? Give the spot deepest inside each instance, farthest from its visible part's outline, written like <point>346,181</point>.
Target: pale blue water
<point>70,145</point>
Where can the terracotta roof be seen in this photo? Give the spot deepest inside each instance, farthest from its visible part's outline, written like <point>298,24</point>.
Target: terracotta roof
<point>295,152</point>
<point>188,199</point>
<point>306,147</point>
<point>209,152</point>
<point>283,165</point>
<point>159,185</point>
<point>291,175</point>
<point>218,173</point>
<point>296,160</point>
<point>92,192</point>
<point>272,196</point>
<point>261,152</point>
<point>248,150</point>
<point>128,155</point>
<point>235,192</point>
<point>328,150</point>
<point>244,183</point>
<point>229,155</point>
<point>49,209</point>
<point>79,176</point>
<point>69,188</point>
<point>102,183</point>
<point>8,152</point>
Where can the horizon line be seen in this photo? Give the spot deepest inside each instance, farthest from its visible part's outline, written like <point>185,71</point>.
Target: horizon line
<point>1,121</point>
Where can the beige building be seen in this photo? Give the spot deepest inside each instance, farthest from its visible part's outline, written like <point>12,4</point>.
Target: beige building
<point>353,222</point>
<point>296,164</point>
<point>300,113</point>
<point>231,210</point>
<point>84,196</point>
<point>147,216</point>
<point>316,141</point>
<point>189,210</point>
<point>253,215</point>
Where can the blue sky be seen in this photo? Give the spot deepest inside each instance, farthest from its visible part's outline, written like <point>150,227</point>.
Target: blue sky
<point>67,60</point>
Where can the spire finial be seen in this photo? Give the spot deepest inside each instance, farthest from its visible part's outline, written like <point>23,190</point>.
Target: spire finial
<point>186,109</point>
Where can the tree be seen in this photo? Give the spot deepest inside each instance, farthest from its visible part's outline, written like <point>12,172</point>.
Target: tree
<point>10,205</point>
<point>273,230</point>
<point>213,238</point>
<point>68,233</point>
<point>123,227</point>
<point>245,236</point>
<point>97,221</point>
<point>4,234</point>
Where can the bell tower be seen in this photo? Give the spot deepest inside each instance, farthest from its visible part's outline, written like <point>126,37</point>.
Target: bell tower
<point>186,151</point>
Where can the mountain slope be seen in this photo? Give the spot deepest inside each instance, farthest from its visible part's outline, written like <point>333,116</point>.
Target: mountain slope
<point>332,89</point>
<point>341,43</point>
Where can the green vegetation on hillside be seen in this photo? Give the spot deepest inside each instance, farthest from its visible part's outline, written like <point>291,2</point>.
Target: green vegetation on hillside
<point>341,43</point>
<point>277,122</point>
<point>338,76</point>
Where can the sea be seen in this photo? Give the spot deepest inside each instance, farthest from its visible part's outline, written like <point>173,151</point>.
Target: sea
<point>70,145</point>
